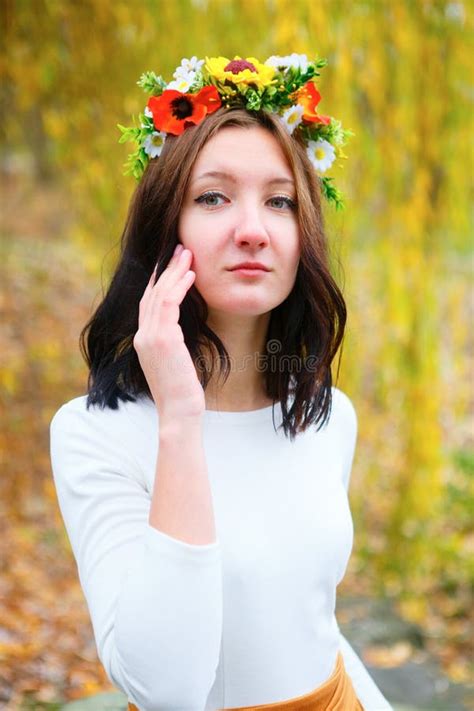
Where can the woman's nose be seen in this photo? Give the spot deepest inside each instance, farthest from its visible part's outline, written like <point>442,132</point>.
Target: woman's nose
<point>249,228</point>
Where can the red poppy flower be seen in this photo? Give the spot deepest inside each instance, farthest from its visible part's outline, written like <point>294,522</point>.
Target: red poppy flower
<point>174,111</point>
<point>309,97</point>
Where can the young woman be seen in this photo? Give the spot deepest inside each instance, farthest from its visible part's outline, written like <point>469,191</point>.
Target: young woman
<point>203,479</point>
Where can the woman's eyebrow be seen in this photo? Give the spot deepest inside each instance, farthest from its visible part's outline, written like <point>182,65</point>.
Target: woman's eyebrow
<point>231,178</point>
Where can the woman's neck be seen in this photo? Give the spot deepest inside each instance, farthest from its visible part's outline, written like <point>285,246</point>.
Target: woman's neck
<point>244,388</point>
<point>237,404</point>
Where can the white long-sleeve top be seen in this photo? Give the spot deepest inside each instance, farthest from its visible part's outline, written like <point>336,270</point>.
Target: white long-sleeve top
<point>246,620</point>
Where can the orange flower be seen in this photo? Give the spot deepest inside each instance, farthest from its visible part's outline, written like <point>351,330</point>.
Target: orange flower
<point>174,111</point>
<point>309,97</point>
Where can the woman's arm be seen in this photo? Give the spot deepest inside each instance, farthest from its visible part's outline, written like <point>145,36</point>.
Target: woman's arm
<point>155,601</point>
<point>182,501</point>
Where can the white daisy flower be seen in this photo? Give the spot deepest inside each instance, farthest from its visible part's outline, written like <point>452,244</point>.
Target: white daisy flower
<point>153,143</point>
<point>321,154</point>
<point>277,62</point>
<point>185,75</point>
<point>296,61</point>
<point>292,117</point>
<point>182,83</point>
<point>182,73</point>
<point>188,65</point>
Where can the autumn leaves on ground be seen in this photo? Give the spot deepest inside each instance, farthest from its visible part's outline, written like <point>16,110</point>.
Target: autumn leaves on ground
<point>47,651</point>
<point>69,78</point>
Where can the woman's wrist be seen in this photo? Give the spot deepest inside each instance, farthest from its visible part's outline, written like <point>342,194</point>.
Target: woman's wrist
<point>177,427</point>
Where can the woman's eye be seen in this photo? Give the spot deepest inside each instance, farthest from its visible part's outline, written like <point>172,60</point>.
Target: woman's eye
<point>209,199</point>
<point>282,201</point>
<point>213,198</point>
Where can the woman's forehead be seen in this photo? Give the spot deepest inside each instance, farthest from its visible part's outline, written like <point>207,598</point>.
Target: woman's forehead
<point>234,176</point>
<point>234,152</point>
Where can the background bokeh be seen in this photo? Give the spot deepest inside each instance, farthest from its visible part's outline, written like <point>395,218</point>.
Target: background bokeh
<point>400,76</point>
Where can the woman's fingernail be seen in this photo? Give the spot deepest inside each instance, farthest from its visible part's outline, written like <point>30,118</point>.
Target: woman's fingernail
<point>179,249</point>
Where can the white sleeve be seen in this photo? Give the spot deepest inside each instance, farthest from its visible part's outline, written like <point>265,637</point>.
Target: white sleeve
<point>365,687</point>
<point>155,602</point>
<point>347,420</point>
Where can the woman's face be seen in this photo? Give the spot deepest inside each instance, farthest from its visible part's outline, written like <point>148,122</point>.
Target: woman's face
<point>240,207</point>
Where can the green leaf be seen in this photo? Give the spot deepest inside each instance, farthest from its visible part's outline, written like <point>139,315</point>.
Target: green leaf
<point>254,100</point>
<point>151,83</point>
<point>331,193</point>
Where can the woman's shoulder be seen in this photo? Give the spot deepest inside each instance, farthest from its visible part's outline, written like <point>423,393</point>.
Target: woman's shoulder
<point>85,437</point>
<point>343,410</point>
<point>76,411</point>
<point>79,415</point>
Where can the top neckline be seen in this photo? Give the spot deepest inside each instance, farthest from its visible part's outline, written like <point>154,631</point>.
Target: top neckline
<point>234,417</point>
<point>240,416</point>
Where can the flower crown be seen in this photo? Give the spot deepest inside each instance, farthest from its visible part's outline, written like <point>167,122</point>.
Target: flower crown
<point>283,86</point>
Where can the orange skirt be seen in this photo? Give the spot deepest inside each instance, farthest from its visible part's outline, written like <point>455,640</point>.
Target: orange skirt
<point>335,694</point>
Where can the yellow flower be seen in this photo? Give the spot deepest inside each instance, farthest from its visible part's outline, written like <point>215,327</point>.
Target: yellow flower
<point>240,71</point>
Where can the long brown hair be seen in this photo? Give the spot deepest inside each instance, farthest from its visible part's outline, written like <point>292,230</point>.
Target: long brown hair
<point>306,329</point>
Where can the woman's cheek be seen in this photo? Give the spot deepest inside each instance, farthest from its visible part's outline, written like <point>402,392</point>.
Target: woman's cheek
<point>205,276</point>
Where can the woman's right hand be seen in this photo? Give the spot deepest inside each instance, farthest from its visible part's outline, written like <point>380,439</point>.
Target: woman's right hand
<point>159,342</point>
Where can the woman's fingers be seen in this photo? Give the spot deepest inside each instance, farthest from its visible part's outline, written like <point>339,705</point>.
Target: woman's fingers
<point>145,300</point>
<point>159,342</point>
<point>165,282</point>
<point>173,261</point>
<point>176,269</point>
<point>156,294</point>
<point>172,294</point>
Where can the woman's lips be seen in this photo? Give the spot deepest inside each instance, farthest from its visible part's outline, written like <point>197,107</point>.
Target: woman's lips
<point>245,271</point>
